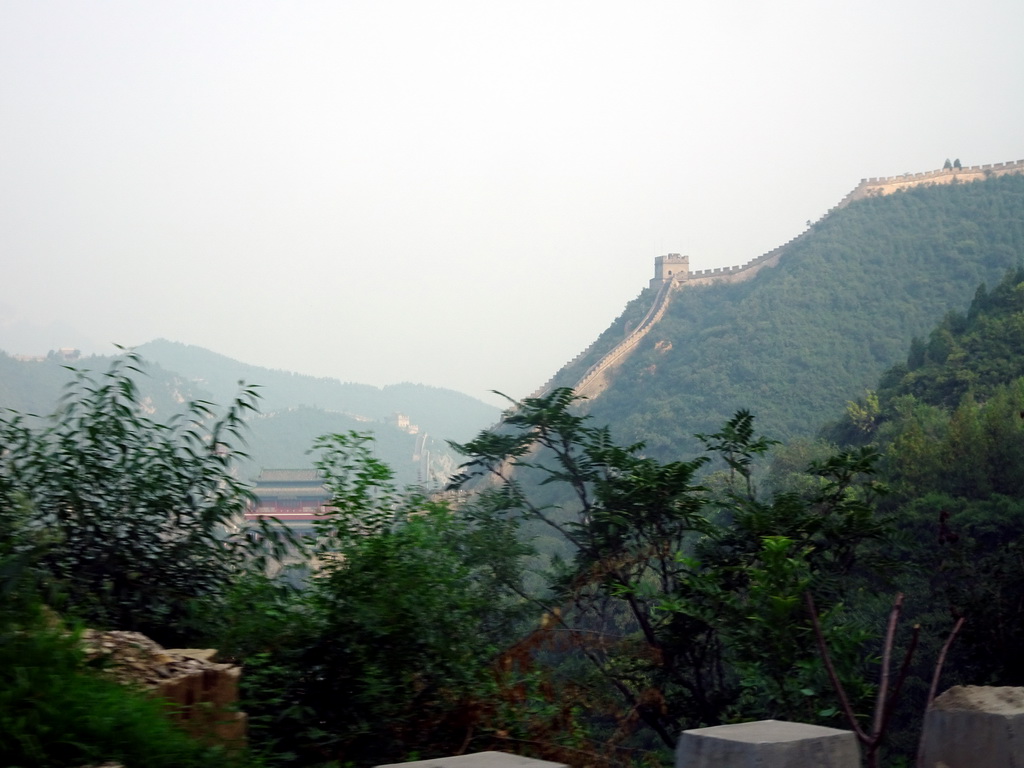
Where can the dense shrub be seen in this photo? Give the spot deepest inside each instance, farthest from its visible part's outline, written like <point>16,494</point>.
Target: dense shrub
<point>132,520</point>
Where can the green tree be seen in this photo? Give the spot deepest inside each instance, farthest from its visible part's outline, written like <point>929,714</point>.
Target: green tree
<point>951,434</point>
<point>133,521</point>
<point>627,518</point>
<point>663,574</point>
<point>387,652</point>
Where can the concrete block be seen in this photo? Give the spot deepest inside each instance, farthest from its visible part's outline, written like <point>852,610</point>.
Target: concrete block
<point>975,727</point>
<point>479,760</point>
<point>767,744</point>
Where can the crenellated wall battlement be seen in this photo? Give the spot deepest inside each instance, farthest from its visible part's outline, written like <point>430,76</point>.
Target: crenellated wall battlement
<point>886,185</point>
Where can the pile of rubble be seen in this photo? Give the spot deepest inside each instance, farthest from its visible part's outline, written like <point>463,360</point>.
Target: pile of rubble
<point>203,694</point>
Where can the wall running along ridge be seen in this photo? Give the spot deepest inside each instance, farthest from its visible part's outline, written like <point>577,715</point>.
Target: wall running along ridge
<point>596,378</point>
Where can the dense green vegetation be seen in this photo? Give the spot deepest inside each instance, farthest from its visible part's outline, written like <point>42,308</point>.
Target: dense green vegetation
<point>139,519</point>
<point>416,633</point>
<point>940,440</point>
<point>950,427</point>
<point>687,598</point>
<point>125,523</point>
<point>838,310</point>
<point>679,601</point>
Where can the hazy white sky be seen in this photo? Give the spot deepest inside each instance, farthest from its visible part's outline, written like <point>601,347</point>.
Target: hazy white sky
<point>462,194</point>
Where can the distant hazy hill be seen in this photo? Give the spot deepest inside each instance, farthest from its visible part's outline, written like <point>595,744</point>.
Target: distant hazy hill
<point>35,385</point>
<point>798,340</point>
<point>295,409</point>
<point>443,413</point>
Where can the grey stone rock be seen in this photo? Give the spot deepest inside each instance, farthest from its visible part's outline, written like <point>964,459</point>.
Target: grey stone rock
<point>975,727</point>
<point>479,760</point>
<point>767,744</point>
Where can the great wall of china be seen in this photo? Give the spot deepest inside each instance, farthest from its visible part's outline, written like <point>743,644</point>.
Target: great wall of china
<point>672,271</point>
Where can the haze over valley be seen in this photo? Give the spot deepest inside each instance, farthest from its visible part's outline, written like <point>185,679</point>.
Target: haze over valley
<point>458,194</point>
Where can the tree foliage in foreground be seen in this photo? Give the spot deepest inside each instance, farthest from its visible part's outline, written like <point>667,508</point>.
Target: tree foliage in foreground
<point>677,601</point>
<point>132,521</point>
<point>680,604</point>
<point>127,524</point>
<point>685,598</point>
<point>388,650</point>
<point>949,426</point>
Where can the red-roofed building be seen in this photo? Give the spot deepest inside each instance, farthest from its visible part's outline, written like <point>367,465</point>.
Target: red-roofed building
<point>296,497</point>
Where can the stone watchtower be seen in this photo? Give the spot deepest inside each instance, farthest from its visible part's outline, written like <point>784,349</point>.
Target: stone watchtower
<point>670,268</point>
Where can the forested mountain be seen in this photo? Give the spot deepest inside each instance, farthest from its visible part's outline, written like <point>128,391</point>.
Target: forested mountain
<point>974,354</point>
<point>294,409</point>
<point>950,421</point>
<point>818,329</point>
<point>948,427</point>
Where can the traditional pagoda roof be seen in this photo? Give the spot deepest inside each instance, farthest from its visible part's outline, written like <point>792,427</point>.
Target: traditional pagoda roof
<point>285,491</point>
<point>294,497</point>
<point>271,476</point>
